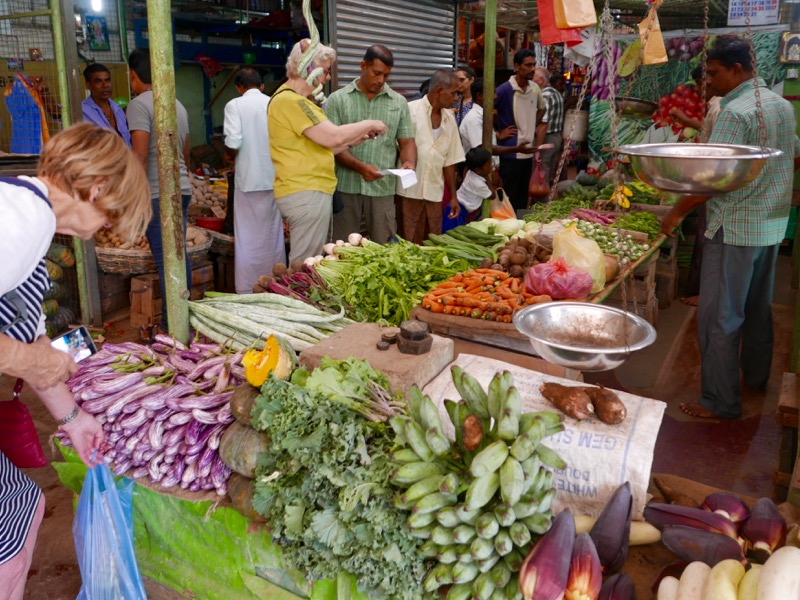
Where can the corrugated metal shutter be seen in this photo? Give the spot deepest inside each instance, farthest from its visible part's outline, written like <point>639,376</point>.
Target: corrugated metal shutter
<point>420,34</point>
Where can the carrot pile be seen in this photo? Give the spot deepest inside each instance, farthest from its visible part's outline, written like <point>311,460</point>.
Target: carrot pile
<point>481,294</point>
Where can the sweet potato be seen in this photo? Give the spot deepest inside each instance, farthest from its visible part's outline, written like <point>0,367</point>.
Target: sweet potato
<point>607,405</point>
<point>572,401</point>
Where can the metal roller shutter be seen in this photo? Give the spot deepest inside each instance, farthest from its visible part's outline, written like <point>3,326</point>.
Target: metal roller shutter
<point>420,34</point>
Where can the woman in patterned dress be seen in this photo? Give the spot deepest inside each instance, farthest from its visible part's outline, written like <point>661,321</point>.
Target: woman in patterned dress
<point>87,179</point>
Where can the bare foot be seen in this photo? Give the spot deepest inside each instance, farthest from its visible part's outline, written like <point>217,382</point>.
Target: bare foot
<point>690,300</point>
<point>695,409</point>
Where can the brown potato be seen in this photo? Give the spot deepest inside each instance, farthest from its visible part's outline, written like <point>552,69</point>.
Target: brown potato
<point>572,401</point>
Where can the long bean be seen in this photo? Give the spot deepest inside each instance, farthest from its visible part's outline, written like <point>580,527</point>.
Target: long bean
<point>268,318</point>
<point>244,325</point>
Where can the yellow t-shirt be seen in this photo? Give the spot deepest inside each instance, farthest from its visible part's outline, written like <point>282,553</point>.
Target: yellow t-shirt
<point>300,164</point>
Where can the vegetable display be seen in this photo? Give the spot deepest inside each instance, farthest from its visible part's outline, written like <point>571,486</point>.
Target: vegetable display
<point>613,242</point>
<point>561,565</point>
<point>323,483</point>
<point>164,408</point>
<point>486,294</point>
<point>684,98</point>
<point>386,282</point>
<point>244,320</point>
<point>478,502</point>
<point>641,193</point>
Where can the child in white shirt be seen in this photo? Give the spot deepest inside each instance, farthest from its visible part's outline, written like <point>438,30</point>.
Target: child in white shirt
<point>476,186</point>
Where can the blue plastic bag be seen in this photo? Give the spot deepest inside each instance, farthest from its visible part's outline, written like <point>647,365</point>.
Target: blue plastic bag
<point>103,534</point>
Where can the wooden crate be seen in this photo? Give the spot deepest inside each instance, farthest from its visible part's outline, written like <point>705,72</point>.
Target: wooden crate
<point>224,278</point>
<point>667,273</point>
<point>145,294</point>
<point>115,292</point>
<point>787,417</point>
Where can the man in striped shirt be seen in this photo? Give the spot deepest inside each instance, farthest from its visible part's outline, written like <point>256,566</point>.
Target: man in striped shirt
<point>554,117</point>
<point>744,230</point>
<point>365,192</point>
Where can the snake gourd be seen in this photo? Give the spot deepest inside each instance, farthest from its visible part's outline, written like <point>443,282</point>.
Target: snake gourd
<point>308,55</point>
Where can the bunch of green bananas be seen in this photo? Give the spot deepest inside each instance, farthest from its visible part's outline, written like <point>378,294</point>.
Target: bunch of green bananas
<point>482,501</point>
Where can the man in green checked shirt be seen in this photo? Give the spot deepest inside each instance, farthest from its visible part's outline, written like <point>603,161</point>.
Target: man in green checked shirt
<point>744,230</point>
<point>365,192</point>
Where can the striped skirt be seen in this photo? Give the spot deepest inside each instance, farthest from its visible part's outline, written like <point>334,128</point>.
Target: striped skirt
<point>19,496</point>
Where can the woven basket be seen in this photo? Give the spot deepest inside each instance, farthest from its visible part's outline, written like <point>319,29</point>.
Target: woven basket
<point>222,243</point>
<point>136,262</point>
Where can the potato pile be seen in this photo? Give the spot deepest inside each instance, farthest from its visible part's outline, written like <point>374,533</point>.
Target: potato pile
<point>517,256</point>
<point>195,236</point>
<point>205,195</point>
<point>106,238</point>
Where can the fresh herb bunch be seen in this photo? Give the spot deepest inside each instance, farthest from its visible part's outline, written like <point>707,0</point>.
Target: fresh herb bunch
<point>323,485</point>
<point>386,282</point>
<point>557,209</point>
<point>644,222</point>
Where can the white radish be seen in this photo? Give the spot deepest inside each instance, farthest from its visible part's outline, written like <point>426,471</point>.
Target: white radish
<point>668,589</point>
<point>723,580</point>
<point>780,577</point>
<point>693,581</point>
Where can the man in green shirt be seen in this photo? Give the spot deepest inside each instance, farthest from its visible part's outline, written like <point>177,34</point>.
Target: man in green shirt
<point>365,192</point>
<point>744,231</point>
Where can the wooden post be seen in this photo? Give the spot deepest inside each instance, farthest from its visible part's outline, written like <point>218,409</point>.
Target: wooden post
<point>168,145</point>
<point>489,47</point>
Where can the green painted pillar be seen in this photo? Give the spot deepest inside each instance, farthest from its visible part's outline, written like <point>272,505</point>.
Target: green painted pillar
<point>489,48</point>
<point>159,26</point>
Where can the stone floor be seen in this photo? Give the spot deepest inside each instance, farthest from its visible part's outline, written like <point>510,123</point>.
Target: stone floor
<point>735,455</point>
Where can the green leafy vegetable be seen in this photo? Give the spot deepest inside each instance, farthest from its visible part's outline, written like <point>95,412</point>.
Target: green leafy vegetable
<point>384,283</point>
<point>323,483</point>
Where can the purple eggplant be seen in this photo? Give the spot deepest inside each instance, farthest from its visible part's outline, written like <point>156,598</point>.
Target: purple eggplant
<point>168,341</point>
<point>177,419</point>
<point>206,417</point>
<point>155,434</point>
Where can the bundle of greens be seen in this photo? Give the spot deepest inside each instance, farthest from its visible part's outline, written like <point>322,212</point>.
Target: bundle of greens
<point>323,485</point>
<point>385,282</point>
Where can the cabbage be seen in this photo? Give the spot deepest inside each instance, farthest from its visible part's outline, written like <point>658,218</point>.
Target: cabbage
<point>508,227</point>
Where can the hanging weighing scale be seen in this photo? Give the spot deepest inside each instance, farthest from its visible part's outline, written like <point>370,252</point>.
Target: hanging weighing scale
<point>581,335</point>
<point>703,169</point>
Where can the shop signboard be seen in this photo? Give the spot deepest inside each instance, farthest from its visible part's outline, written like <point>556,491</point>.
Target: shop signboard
<point>762,12</point>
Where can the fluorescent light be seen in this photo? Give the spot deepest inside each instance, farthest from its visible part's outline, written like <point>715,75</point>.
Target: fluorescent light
<point>97,5</point>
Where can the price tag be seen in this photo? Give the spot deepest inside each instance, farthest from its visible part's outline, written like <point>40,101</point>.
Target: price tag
<point>218,212</point>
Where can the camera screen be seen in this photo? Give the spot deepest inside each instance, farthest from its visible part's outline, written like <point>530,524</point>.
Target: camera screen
<point>75,344</point>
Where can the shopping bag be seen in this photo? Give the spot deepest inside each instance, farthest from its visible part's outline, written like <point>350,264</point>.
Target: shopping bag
<point>18,438</point>
<point>538,186</point>
<point>653,50</point>
<point>103,534</point>
<point>574,14</point>
<point>581,253</point>
<point>549,31</point>
<point>501,207</point>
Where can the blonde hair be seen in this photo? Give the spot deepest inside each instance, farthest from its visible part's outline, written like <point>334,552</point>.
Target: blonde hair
<point>84,155</point>
<point>321,54</point>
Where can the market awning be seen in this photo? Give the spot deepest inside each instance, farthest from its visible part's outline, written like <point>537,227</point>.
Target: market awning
<point>523,15</point>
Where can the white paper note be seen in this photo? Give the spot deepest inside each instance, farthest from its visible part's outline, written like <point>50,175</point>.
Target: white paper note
<point>408,177</point>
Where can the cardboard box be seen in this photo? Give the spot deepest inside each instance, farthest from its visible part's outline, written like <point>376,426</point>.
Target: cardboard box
<point>145,294</point>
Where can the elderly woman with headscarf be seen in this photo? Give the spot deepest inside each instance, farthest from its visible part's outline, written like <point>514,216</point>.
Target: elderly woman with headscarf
<point>303,143</point>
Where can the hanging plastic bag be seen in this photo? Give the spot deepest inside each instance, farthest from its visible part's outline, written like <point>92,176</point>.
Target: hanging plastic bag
<point>538,186</point>
<point>549,31</point>
<point>653,50</point>
<point>501,207</point>
<point>581,253</point>
<point>558,280</point>
<point>103,534</point>
<point>574,14</point>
